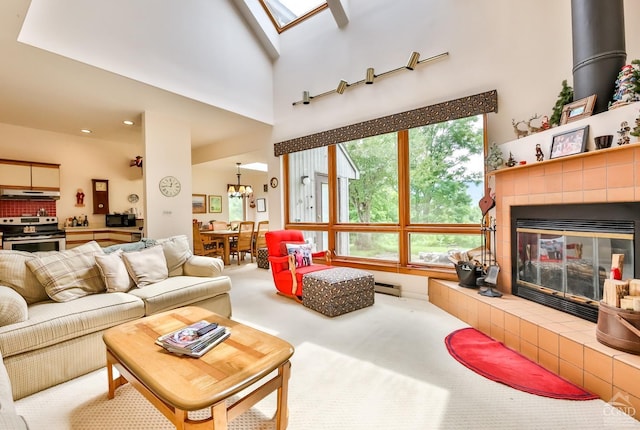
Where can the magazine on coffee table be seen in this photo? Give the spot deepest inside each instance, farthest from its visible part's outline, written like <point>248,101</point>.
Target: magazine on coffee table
<point>194,340</point>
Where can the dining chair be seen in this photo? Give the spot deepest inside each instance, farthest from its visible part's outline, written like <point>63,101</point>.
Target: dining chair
<point>220,225</point>
<point>206,246</point>
<point>260,240</point>
<point>242,245</point>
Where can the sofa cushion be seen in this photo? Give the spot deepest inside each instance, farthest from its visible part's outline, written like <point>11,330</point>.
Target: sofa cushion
<point>14,273</point>
<point>146,266</point>
<point>52,323</point>
<point>114,272</point>
<point>180,291</point>
<point>176,251</point>
<point>68,275</point>
<point>198,265</point>
<point>13,307</point>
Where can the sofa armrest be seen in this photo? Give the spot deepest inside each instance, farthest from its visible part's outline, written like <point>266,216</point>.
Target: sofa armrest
<point>198,265</point>
<point>9,419</point>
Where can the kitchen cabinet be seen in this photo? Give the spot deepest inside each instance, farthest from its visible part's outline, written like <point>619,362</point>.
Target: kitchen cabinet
<point>25,174</point>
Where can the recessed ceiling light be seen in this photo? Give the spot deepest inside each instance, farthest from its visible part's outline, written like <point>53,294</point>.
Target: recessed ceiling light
<point>86,130</point>
<point>128,122</point>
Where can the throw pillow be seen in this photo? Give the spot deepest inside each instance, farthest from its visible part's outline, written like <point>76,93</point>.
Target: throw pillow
<point>70,274</point>
<point>176,251</point>
<point>146,266</point>
<point>114,272</point>
<point>284,246</point>
<point>301,253</point>
<point>13,307</point>
<point>14,273</point>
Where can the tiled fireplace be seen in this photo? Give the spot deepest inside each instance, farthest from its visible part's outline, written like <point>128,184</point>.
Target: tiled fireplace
<point>562,253</point>
<point>559,341</point>
<point>606,176</point>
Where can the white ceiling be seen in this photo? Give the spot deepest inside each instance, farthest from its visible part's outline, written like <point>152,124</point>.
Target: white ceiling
<point>42,90</point>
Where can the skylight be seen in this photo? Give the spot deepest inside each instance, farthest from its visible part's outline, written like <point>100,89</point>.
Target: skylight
<point>285,14</point>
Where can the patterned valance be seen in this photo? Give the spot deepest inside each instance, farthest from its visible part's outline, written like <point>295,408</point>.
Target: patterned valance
<point>454,109</point>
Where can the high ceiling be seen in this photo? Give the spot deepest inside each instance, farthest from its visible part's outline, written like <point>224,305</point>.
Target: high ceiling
<point>42,90</point>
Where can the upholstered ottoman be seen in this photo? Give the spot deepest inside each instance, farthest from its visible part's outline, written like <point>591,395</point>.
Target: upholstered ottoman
<point>338,290</point>
<point>263,258</point>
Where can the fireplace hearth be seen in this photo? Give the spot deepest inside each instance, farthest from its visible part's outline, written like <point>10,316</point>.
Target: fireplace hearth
<point>561,254</point>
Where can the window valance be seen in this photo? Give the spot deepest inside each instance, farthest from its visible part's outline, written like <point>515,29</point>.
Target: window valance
<point>454,109</point>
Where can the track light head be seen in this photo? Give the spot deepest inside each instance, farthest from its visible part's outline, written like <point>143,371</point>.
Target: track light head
<point>413,61</point>
<point>305,97</point>
<point>370,76</point>
<point>342,85</point>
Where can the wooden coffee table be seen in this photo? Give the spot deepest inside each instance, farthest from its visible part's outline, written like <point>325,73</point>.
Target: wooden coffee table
<point>176,384</point>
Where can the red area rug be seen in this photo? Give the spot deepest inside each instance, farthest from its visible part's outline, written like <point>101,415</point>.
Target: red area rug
<point>493,360</point>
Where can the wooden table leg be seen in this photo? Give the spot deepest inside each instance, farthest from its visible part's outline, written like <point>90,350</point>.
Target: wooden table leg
<point>113,383</point>
<point>219,416</point>
<point>227,250</point>
<point>282,411</point>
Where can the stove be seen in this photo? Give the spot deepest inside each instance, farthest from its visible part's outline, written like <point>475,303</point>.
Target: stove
<point>32,233</point>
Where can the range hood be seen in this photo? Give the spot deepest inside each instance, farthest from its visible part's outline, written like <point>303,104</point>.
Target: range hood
<point>21,194</point>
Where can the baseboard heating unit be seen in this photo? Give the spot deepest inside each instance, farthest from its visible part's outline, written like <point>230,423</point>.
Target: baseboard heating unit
<point>392,290</point>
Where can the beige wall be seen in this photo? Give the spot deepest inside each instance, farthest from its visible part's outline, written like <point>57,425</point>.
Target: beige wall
<point>80,159</point>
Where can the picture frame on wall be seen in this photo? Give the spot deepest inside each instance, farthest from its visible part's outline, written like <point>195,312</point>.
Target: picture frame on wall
<point>577,110</point>
<point>569,143</point>
<point>261,205</point>
<point>198,202</point>
<point>215,204</point>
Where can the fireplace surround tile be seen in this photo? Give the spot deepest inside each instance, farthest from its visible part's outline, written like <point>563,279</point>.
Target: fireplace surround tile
<point>571,351</point>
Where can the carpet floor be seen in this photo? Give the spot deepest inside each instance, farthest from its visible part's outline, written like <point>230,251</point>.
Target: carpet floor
<point>382,367</point>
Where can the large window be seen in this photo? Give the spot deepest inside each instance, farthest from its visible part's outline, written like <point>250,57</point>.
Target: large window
<point>407,198</point>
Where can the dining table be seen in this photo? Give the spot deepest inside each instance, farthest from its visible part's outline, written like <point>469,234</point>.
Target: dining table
<point>226,236</point>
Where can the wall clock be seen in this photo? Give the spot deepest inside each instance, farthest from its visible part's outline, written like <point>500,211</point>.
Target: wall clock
<point>133,198</point>
<point>100,192</point>
<point>274,182</point>
<point>170,186</point>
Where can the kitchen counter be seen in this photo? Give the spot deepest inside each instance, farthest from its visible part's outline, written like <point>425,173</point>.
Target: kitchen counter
<point>100,229</point>
<point>105,236</point>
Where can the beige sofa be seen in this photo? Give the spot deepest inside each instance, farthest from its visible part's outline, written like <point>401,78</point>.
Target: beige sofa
<point>55,306</point>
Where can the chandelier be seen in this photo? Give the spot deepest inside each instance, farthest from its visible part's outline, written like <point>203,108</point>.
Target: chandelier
<point>239,190</point>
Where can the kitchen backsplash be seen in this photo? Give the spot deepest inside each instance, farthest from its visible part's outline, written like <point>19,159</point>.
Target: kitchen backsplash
<point>13,208</point>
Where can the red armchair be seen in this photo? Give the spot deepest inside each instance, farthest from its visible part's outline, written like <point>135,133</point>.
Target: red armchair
<point>286,276</point>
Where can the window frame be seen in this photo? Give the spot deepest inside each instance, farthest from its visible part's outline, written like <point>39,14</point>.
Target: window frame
<point>403,228</point>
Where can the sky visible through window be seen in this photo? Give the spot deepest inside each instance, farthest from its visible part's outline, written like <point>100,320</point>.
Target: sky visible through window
<point>286,11</point>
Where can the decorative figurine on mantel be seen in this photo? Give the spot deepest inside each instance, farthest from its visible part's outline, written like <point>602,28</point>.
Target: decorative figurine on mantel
<point>519,130</point>
<point>636,130</point>
<point>627,85</point>
<point>539,153</point>
<point>494,157</point>
<point>511,161</point>
<point>624,133</point>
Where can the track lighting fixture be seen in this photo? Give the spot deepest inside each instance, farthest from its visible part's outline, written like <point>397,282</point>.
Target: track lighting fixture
<point>414,61</point>
<point>370,76</point>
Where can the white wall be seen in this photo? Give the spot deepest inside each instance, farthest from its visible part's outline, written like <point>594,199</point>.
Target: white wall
<point>167,152</point>
<point>523,49</point>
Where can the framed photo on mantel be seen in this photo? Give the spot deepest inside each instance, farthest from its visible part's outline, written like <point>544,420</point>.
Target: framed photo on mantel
<point>569,143</point>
